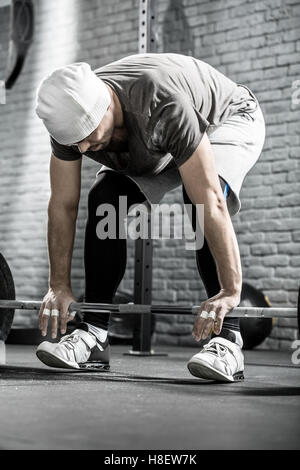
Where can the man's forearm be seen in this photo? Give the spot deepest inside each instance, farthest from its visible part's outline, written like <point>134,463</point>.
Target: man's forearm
<point>201,181</point>
<point>61,233</point>
<point>222,242</point>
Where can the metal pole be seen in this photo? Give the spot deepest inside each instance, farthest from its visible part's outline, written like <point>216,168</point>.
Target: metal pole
<point>143,248</point>
<point>143,292</point>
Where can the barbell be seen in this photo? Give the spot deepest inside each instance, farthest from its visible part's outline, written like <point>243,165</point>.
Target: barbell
<point>8,304</point>
<point>130,308</point>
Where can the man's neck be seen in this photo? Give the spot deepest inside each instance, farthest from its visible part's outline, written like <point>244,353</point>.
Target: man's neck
<point>116,108</point>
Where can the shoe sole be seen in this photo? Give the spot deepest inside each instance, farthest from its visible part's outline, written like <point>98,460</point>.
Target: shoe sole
<point>54,361</point>
<point>197,369</point>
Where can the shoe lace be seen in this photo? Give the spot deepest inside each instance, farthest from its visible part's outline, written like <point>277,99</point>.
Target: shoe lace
<point>217,349</point>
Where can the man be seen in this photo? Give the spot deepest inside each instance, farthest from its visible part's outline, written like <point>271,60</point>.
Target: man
<point>154,121</point>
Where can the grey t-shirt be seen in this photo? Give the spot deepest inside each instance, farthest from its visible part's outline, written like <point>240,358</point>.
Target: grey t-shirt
<point>168,102</point>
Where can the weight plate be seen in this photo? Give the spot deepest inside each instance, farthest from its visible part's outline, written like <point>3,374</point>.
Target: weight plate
<point>254,330</point>
<point>7,292</point>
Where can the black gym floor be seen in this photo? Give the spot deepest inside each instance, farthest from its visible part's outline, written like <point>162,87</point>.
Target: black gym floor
<point>148,403</point>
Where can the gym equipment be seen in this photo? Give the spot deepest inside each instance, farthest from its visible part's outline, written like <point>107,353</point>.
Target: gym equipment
<point>122,327</point>
<point>123,309</point>
<point>7,292</point>
<point>254,330</point>
<point>141,343</point>
<point>257,314</point>
<point>21,36</point>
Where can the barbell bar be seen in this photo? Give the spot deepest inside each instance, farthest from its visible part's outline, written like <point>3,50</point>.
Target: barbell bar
<point>130,308</point>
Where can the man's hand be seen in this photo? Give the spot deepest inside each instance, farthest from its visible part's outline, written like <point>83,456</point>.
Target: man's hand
<point>216,308</point>
<point>56,301</point>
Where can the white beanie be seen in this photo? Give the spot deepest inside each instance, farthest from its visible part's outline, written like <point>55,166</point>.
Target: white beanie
<point>71,101</point>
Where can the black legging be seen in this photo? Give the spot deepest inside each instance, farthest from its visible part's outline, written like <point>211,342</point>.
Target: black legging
<point>105,259</point>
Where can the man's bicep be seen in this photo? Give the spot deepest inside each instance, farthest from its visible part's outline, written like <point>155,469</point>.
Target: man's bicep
<point>199,173</point>
<point>65,181</point>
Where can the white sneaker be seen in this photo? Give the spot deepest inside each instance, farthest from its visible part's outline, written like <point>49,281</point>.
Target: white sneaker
<point>220,360</point>
<point>79,350</point>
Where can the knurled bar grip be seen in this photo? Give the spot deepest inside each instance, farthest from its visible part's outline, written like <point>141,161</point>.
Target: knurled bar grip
<point>264,312</point>
<point>134,308</point>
